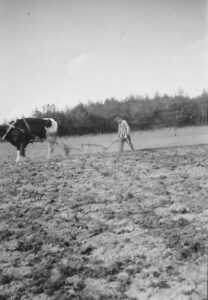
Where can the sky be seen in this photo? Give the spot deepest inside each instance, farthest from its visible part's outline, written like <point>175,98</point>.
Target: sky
<point>70,51</point>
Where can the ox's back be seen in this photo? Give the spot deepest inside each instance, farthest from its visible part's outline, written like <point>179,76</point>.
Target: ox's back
<point>37,127</point>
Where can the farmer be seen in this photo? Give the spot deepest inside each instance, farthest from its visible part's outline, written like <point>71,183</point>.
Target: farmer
<point>123,135</point>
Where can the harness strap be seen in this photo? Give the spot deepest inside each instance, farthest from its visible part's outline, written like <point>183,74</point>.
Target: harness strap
<point>32,136</point>
<point>27,125</point>
<point>11,126</point>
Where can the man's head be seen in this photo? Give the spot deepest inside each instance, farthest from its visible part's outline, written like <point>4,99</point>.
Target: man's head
<point>118,119</point>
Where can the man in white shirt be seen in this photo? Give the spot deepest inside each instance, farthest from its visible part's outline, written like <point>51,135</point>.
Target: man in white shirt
<point>123,134</point>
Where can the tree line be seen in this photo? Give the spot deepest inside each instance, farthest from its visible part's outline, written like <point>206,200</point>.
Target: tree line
<point>140,112</point>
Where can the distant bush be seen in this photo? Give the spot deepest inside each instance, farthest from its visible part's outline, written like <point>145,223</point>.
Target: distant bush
<point>140,112</point>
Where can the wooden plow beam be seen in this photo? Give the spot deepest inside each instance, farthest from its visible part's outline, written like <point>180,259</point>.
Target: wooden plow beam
<point>93,145</point>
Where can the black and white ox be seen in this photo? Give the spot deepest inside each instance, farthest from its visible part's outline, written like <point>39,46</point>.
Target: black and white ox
<point>23,131</point>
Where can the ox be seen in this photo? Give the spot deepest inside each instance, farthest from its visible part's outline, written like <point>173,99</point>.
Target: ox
<point>23,131</point>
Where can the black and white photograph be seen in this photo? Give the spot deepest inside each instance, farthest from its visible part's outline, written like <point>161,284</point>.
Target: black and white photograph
<point>104,150</point>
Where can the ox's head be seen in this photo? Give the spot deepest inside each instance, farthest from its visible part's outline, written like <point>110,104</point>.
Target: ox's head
<point>47,122</point>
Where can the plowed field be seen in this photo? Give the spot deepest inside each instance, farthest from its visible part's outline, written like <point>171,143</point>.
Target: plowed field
<point>84,227</point>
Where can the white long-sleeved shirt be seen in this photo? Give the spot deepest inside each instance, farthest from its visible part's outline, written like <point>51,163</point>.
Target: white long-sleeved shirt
<point>123,129</point>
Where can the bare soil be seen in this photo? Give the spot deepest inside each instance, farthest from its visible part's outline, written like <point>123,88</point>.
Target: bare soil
<point>90,229</point>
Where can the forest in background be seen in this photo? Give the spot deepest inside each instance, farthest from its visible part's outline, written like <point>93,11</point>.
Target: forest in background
<point>142,113</point>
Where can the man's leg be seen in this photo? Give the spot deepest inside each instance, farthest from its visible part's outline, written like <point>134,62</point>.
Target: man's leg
<point>130,143</point>
<point>121,147</point>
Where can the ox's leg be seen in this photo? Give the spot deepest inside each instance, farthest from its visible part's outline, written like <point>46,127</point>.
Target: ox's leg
<point>51,146</point>
<point>63,146</point>
<point>20,152</point>
<point>66,149</point>
<point>52,141</point>
<point>50,150</point>
<point>18,156</point>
